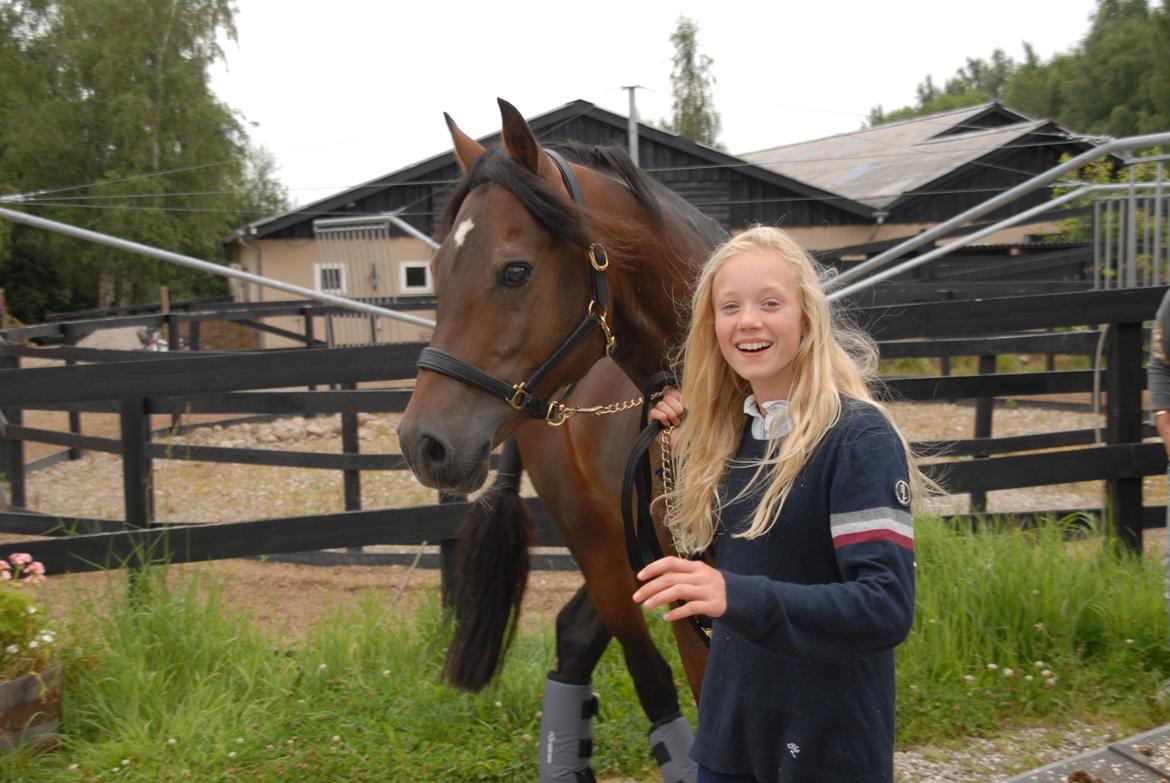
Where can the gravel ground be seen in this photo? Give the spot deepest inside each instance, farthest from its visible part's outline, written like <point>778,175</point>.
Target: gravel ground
<point>289,598</point>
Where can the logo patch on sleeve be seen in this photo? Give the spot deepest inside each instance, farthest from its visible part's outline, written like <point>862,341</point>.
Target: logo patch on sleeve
<point>902,492</point>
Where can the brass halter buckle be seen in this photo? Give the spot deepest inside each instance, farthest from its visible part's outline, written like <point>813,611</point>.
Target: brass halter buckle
<point>610,340</point>
<point>557,414</point>
<point>517,399</point>
<point>600,267</point>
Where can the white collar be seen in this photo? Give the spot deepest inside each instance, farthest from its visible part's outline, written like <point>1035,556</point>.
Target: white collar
<point>772,423</point>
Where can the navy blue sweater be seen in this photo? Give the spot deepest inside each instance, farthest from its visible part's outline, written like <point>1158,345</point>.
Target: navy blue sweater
<point>799,685</point>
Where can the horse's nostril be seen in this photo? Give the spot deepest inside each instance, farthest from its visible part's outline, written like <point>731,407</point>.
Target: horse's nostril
<point>436,452</point>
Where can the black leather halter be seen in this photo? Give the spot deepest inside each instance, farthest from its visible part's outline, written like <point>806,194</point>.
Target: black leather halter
<point>521,396</point>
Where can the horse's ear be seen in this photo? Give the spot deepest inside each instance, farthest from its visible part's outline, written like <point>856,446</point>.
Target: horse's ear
<point>467,149</point>
<point>518,137</point>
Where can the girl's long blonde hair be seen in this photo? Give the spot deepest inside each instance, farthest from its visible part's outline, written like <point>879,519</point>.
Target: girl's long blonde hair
<point>834,359</point>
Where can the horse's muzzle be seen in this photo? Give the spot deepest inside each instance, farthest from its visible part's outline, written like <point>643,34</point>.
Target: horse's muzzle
<point>443,462</point>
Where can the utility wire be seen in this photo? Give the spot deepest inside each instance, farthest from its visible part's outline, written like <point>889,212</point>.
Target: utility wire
<point>37,197</point>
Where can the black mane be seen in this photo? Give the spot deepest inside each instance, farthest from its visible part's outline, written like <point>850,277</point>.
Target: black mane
<point>561,217</point>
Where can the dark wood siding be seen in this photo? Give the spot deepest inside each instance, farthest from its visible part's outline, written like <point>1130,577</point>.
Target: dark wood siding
<point>727,192</point>
<point>975,183</point>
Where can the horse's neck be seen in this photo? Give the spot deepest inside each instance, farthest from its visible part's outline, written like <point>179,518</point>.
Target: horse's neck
<point>648,322</point>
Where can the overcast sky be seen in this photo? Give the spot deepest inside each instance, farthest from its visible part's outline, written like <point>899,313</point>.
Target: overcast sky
<point>346,91</point>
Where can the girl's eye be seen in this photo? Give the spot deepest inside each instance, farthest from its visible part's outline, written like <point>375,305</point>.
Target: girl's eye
<point>515,274</point>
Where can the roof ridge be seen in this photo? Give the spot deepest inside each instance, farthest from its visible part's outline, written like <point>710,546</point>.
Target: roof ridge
<point>923,118</point>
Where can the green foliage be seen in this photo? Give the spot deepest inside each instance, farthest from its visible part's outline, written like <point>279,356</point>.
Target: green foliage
<point>692,88</point>
<point>108,120</point>
<point>1115,81</point>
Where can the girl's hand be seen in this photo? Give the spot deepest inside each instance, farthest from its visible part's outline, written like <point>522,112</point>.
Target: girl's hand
<point>669,412</point>
<point>697,584</point>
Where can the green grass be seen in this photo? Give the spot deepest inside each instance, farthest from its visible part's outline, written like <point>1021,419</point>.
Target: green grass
<point>1026,627</point>
<point>172,686</point>
<point>969,365</point>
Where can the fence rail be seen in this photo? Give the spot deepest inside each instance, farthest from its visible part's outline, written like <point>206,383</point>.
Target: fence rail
<point>136,385</point>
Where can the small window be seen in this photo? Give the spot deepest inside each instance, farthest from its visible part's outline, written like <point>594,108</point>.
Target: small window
<point>330,278</point>
<point>414,277</point>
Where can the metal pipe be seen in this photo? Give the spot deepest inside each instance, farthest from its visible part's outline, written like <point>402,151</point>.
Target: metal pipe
<point>1110,272</point>
<point>1097,246</point>
<point>205,266</point>
<point>632,123</point>
<point>994,203</point>
<point>966,240</point>
<point>1158,222</point>
<point>1131,231</point>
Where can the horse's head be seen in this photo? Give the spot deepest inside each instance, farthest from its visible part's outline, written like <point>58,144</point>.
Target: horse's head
<point>513,281</point>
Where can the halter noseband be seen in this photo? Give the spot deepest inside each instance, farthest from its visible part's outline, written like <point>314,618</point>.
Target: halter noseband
<point>521,395</point>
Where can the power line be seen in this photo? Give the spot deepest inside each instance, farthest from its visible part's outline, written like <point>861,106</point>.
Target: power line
<point>654,170</point>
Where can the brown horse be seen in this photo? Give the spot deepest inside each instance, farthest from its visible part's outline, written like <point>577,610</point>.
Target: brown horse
<point>517,273</point>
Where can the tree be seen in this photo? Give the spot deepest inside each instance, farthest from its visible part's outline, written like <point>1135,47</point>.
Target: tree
<point>692,88</point>
<point>114,127</point>
<point>1115,81</point>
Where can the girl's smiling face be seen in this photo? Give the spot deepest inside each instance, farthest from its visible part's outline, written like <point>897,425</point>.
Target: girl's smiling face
<point>759,320</point>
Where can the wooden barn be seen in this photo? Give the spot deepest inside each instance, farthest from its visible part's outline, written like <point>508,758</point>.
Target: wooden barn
<point>870,185</point>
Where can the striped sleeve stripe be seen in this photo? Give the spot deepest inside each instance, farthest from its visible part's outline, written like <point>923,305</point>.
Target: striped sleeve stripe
<point>875,524</point>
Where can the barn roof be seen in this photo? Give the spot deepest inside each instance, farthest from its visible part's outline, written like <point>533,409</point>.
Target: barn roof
<point>546,127</point>
<point>880,166</point>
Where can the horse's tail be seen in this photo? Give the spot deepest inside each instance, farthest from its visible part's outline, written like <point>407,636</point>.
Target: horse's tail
<point>490,577</point>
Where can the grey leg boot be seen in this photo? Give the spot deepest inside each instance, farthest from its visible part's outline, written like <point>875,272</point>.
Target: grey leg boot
<point>566,732</point>
<point>670,741</point>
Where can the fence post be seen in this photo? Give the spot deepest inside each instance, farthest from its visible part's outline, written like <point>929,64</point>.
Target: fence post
<point>447,562</point>
<point>1123,425</point>
<point>984,408</point>
<point>75,452</point>
<point>351,444</point>
<point>5,319</point>
<point>307,314</point>
<point>195,335</point>
<point>137,482</point>
<point>164,309</point>
<point>12,449</point>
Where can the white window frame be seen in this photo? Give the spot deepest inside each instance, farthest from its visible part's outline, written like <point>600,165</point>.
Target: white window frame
<point>318,282</point>
<point>415,290</point>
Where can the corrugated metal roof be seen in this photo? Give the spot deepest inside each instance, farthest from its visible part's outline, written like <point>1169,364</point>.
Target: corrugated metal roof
<point>875,166</point>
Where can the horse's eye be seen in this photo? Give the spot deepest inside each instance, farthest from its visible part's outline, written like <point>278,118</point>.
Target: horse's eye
<point>515,274</point>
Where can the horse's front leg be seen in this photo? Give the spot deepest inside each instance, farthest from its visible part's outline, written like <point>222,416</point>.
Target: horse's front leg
<point>587,517</point>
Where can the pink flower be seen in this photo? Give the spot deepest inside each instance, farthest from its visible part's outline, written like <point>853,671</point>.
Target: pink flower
<point>5,575</point>
<point>4,565</point>
<point>20,558</point>
<point>35,567</point>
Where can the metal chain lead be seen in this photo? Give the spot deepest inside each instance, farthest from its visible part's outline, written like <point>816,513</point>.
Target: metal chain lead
<point>558,414</point>
<point>667,472</point>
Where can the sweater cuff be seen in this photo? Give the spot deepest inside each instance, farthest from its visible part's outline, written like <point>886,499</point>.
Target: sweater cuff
<point>747,597</point>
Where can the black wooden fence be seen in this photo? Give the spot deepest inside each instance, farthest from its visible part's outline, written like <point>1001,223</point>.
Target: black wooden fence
<point>135,385</point>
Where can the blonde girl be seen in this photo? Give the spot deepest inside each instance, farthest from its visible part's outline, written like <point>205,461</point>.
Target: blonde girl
<point>800,484</point>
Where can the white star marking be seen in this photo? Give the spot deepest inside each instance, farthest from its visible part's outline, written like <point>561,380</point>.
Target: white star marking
<point>462,232</point>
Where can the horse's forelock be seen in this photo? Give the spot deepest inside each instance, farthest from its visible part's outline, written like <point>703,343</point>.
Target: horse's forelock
<point>559,216</point>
